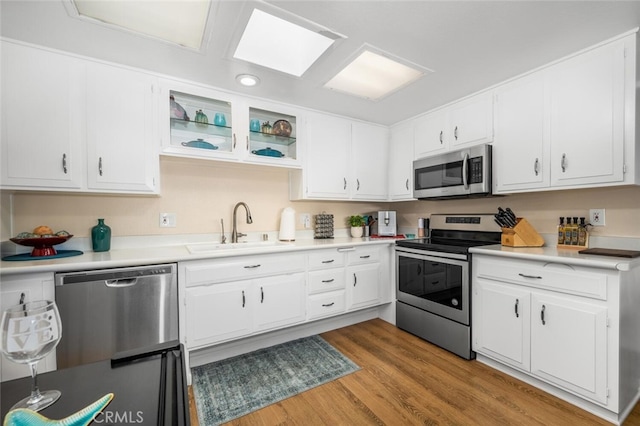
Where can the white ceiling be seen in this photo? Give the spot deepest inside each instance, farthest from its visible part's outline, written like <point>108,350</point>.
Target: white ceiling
<point>469,45</point>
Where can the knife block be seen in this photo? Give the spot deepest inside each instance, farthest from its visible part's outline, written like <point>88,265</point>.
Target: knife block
<point>521,235</point>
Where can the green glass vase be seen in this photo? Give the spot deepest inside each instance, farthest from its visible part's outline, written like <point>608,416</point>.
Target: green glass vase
<point>101,236</point>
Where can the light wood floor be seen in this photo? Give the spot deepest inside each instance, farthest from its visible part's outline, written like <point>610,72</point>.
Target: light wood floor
<point>406,381</point>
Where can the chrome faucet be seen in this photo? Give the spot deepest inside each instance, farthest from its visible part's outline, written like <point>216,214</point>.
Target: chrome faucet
<point>234,233</point>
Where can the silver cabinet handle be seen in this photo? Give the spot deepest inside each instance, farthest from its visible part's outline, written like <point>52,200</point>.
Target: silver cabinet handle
<point>355,279</point>
<point>563,163</point>
<point>261,295</point>
<point>328,261</point>
<point>247,143</point>
<point>345,183</point>
<point>326,305</point>
<point>366,256</point>
<point>357,184</point>
<point>252,266</point>
<point>125,282</point>
<point>441,133</point>
<point>465,165</point>
<point>100,166</point>
<point>234,141</point>
<point>243,298</point>
<point>537,277</point>
<point>536,166</point>
<point>542,315</point>
<point>328,281</point>
<point>455,133</point>
<point>406,184</point>
<point>64,163</point>
<point>516,308</point>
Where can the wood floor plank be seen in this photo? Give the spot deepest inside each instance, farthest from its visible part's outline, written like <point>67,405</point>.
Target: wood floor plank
<point>404,380</point>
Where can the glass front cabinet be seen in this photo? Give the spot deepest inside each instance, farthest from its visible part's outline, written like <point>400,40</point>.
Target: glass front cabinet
<point>203,123</point>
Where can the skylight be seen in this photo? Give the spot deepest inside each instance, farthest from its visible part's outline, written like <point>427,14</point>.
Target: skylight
<point>278,44</point>
<point>374,76</point>
<point>181,22</point>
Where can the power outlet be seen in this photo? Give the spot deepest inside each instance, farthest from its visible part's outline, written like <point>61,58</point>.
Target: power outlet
<point>597,217</point>
<point>305,220</point>
<point>167,220</point>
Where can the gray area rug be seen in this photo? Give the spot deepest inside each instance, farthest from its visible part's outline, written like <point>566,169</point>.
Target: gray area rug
<point>233,387</point>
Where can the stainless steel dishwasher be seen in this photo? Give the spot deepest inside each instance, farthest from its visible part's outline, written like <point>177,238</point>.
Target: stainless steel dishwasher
<point>113,310</point>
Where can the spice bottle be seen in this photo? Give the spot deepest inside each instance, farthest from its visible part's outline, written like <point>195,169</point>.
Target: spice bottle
<point>561,231</point>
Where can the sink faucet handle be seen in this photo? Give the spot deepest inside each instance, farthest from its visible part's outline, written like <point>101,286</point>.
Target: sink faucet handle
<point>223,239</point>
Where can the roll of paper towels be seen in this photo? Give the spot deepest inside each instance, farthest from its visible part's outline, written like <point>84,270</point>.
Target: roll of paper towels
<point>288,225</point>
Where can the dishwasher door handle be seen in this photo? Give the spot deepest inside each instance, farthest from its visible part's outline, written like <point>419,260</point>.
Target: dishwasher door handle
<point>121,283</point>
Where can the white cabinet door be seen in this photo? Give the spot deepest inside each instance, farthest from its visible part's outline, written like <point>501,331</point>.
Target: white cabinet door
<point>369,148</point>
<point>587,117</point>
<point>401,162</point>
<point>218,312</point>
<point>121,130</point>
<point>569,344</point>
<point>430,134</point>
<point>501,323</point>
<point>327,157</point>
<point>521,148</point>
<point>471,121</point>
<point>363,285</point>
<point>42,118</point>
<point>280,301</point>
<point>25,288</point>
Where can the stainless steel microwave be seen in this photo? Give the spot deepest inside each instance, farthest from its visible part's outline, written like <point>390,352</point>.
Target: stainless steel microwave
<point>462,173</point>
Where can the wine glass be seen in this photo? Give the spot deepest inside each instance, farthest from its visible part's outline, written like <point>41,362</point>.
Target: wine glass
<point>29,332</point>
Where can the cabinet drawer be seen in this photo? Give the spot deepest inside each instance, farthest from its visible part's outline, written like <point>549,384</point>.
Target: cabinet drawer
<point>364,255</point>
<point>323,259</point>
<point>325,304</point>
<point>242,267</point>
<point>558,277</point>
<point>323,281</point>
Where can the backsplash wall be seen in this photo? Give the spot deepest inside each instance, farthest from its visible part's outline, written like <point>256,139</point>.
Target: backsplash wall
<point>203,192</point>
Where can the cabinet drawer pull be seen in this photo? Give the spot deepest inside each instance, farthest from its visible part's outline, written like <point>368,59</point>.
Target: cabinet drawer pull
<point>355,279</point>
<point>542,314</point>
<point>366,256</point>
<point>345,183</point>
<point>252,266</point>
<point>455,133</point>
<point>243,298</point>
<point>531,276</point>
<point>435,282</point>
<point>100,166</point>
<point>516,308</point>
<point>563,163</point>
<point>64,163</point>
<point>326,305</point>
<point>441,133</point>
<point>406,184</point>
<point>536,167</point>
<point>358,184</point>
<point>261,295</point>
<point>329,281</point>
<point>328,261</point>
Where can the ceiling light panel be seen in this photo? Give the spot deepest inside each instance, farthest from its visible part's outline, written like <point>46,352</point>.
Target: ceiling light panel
<point>374,76</point>
<point>278,44</point>
<point>179,21</point>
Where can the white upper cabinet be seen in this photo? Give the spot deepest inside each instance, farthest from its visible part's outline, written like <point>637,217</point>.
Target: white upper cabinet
<point>471,121</point>
<point>76,125</point>
<point>369,147</point>
<point>587,101</point>
<point>430,134</point>
<point>42,110</point>
<point>344,160</point>
<point>521,154</point>
<point>570,125</point>
<point>401,162</point>
<point>121,129</point>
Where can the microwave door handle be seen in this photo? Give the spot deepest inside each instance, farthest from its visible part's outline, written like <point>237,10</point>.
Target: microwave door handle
<point>465,166</point>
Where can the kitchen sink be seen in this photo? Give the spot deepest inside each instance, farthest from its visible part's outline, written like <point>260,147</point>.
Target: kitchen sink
<point>197,248</point>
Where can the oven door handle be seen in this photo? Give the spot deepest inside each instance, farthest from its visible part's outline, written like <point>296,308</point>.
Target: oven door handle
<point>465,171</point>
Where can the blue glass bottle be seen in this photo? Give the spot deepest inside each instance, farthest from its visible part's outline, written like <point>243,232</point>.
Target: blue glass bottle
<point>101,236</point>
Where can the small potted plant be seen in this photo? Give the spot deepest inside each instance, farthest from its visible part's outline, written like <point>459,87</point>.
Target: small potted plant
<point>357,223</point>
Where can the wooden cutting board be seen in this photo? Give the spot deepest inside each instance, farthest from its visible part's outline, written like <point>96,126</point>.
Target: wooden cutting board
<point>611,252</point>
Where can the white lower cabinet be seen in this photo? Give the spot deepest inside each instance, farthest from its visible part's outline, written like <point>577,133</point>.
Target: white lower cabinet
<point>363,277</point>
<point>562,325</point>
<point>16,289</point>
<point>258,293</point>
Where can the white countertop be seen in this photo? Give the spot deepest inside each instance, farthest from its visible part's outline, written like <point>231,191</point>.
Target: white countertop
<point>554,254</point>
<point>169,253</point>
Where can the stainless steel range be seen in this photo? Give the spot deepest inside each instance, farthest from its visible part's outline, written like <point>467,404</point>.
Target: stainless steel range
<point>433,279</point>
